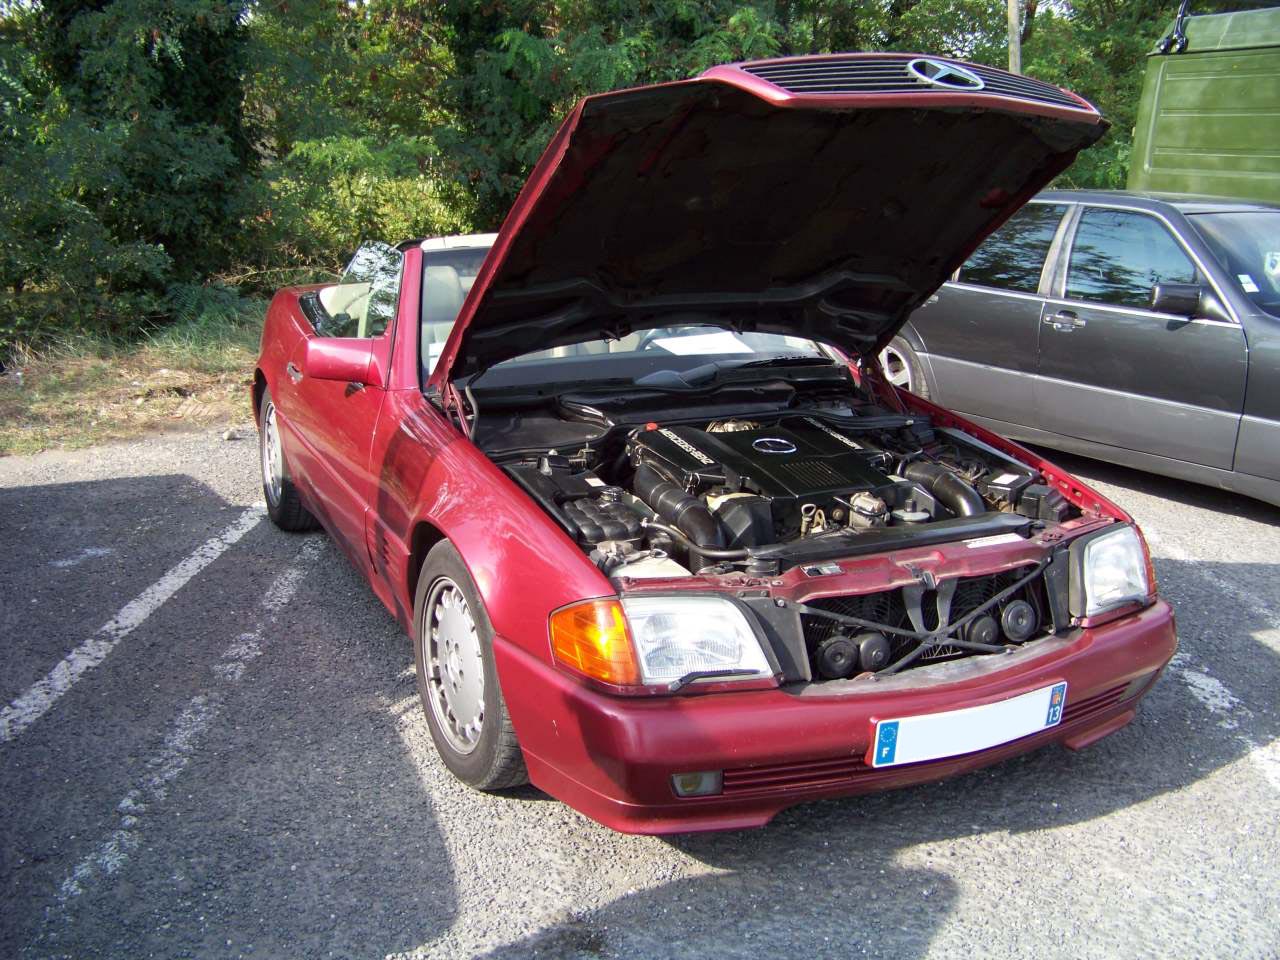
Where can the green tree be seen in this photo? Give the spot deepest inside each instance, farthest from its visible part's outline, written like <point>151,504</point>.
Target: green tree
<point>127,166</point>
<point>1098,48</point>
<point>346,98</point>
<point>147,146</point>
<point>162,79</point>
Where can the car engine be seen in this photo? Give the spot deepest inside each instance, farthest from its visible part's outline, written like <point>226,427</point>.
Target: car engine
<point>765,494</point>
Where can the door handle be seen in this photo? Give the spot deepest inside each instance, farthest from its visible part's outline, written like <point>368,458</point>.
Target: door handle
<point>1064,321</point>
<point>293,370</point>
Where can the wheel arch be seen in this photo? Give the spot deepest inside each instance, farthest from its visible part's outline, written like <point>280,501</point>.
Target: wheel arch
<point>911,336</point>
<point>259,388</point>
<point>422,538</point>
<point>909,333</point>
<point>522,563</point>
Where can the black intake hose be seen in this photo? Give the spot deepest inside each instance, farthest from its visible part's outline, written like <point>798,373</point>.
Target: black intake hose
<point>949,490</point>
<point>684,512</point>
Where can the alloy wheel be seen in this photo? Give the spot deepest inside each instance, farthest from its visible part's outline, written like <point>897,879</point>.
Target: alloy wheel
<point>453,666</point>
<point>896,367</point>
<point>272,456</point>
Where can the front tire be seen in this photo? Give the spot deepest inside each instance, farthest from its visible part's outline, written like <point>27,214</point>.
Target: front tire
<point>284,505</point>
<point>458,679</point>
<point>902,367</point>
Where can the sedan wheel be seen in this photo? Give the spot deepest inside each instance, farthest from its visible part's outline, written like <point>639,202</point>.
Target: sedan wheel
<point>902,367</point>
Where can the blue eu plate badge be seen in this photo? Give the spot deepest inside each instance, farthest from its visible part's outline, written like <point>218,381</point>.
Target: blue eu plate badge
<point>886,743</point>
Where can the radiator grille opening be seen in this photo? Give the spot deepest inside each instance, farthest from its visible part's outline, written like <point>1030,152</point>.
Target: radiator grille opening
<point>845,75</point>
<point>888,608</point>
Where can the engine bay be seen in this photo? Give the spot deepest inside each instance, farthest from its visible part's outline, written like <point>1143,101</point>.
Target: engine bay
<point>764,494</point>
<point>708,491</point>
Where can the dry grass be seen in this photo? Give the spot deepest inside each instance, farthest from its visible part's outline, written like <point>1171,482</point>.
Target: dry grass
<point>77,394</point>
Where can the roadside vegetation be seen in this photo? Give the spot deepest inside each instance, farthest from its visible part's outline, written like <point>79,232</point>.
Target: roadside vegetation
<point>84,389</point>
<point>165,165</point>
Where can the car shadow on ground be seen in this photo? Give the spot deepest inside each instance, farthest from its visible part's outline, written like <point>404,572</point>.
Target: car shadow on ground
<point>288,823</point>
<point>828,878</point>
<point>1165,488</point>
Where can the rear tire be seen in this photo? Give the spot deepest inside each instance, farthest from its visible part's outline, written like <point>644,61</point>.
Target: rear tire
<point>458,678</point>
<point>902,367</point>
<point>284,505</point>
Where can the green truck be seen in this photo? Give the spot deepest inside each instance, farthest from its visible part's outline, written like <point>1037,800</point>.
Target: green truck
<point>1209,118</point>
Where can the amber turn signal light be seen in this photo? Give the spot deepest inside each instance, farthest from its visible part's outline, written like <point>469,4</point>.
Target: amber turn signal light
<point>593,639</point>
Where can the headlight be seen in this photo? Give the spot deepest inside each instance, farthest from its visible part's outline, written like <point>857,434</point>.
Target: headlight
<point>676,636</point>
<point>1111,570</point>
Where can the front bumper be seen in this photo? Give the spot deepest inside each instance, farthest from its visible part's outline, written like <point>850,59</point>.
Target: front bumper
<point>612,758</point>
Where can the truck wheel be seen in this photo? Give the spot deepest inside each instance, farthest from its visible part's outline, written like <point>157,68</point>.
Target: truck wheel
<point>902,367</point>
<point>457,678</point>
<point>284,506</point>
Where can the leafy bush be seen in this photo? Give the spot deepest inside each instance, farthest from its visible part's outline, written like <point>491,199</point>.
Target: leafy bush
<point>156,154</point>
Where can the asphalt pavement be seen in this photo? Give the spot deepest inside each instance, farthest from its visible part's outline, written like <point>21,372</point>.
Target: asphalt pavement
<point>211,746</point>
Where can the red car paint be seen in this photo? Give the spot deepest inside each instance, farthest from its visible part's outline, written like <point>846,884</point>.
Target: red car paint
<point>389,473</point>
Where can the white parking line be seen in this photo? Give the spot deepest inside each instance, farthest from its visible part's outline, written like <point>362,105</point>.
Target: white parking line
<point>1229,711</point>
<point>180,743</point>
<point>1211,692</point>
<point>44,693</point>
<point>1247,599</point>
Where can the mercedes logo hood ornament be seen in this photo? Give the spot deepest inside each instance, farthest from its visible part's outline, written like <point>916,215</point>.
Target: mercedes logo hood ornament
<point>937,73</point>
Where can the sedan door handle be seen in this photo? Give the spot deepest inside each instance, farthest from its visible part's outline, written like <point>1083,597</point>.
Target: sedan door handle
<point>1064,321</point>
<point>293,370</point>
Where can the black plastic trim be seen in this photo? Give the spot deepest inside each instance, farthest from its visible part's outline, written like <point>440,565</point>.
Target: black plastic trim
<point>890,538</point>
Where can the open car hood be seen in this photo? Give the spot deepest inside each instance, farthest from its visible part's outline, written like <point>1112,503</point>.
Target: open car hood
<point>823,197</point>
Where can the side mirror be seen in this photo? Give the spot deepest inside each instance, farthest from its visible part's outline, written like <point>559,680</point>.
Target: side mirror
<point>1180,299</point>
<point>347,359</point>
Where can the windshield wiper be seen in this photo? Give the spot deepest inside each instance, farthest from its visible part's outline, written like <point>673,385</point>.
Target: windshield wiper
<point>716,371</point>
<point>789,360</point>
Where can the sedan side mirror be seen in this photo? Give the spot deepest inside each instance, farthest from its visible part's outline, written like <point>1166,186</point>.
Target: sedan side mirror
<point>1180,299</point>
<point>346,359</point>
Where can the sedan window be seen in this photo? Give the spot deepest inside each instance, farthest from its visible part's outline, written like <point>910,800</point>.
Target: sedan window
<point>1247,243</point>
<point>1012,258</point>
<point>1119,255</point>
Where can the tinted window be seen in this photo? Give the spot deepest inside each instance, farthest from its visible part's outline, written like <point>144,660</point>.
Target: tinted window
<point>363,302</point>
<point>1118,256</point>
<point>1013,257</point>
<point>1247,243</point>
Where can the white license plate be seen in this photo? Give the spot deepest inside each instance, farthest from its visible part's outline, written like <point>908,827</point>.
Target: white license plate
<point>955,732</point>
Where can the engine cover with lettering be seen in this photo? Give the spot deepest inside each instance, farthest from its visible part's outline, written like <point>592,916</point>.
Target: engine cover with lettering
<point>798,458</point>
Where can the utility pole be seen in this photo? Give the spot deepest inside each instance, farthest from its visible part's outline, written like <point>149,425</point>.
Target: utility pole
<point>1015,38</point>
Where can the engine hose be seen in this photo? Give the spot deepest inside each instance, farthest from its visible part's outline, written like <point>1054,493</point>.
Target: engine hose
<point>706,553</point>
<point>689,514</point>
<point>949,490</point>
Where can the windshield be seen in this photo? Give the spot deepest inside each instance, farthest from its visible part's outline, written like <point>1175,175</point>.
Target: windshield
<point>1247,243</point>
<point>448,275</point>
<point>686,340</point>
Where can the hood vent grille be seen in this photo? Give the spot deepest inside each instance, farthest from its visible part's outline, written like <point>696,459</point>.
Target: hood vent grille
<point>845,75</point>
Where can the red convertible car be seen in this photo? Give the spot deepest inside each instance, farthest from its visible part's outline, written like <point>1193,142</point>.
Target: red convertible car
<point>668,544</point>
